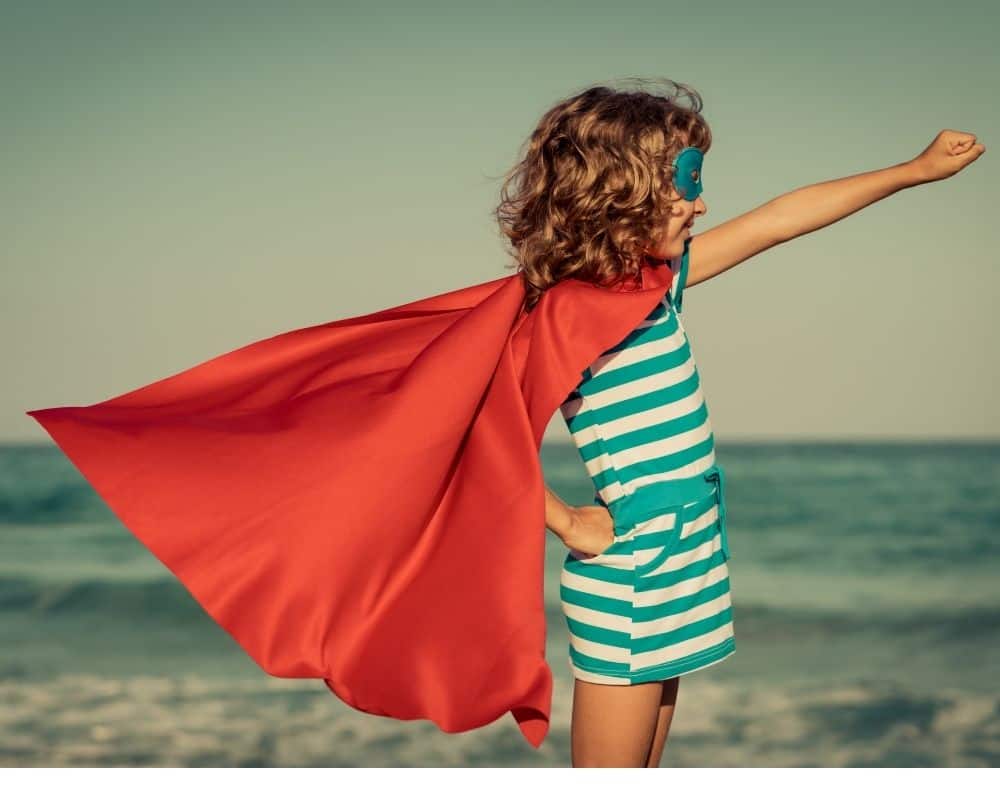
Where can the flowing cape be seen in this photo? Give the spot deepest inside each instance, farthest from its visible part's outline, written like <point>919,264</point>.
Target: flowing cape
<point>362,501</point>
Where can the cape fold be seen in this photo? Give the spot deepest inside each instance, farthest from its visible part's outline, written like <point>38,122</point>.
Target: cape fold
<point>362,501</point>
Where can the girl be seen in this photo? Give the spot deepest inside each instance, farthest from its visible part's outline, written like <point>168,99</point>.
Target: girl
<point>361,501</point>
<point>612,179</point>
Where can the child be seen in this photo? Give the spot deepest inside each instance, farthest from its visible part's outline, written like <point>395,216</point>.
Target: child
<point>361,501</point>
<point>611,178</point>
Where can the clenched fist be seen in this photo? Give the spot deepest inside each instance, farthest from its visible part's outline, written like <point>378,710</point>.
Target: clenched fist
<point>949,153</point>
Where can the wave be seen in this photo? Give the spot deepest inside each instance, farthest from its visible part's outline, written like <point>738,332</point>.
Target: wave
<point>133,599</point>
<point>64,502</point>
<point>166,598</point>
<point>183,720</point>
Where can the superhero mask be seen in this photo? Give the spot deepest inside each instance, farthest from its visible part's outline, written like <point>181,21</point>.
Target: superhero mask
<point>687,173</point>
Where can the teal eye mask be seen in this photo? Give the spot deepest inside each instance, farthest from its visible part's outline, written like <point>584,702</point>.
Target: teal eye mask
<point>687,172</point>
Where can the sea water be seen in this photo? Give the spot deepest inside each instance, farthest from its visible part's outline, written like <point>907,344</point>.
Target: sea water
<point>865,580</point>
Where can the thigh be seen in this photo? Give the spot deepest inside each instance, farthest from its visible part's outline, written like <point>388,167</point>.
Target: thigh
<point>614,725</point>
<point>666,715</point>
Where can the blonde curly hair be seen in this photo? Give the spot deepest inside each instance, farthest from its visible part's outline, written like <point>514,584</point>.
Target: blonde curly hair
<point>594,184</point>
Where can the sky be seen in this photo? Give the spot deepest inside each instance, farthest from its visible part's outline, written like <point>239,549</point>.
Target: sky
<point>181,179</point>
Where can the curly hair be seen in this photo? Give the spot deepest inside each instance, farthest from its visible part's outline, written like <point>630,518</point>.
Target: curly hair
<point>594,183</point>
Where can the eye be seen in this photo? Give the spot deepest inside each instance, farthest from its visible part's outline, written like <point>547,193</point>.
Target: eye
<point>694,175</point>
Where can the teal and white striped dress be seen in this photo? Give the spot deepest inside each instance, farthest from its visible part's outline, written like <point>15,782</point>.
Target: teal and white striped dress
<point>653,605</point>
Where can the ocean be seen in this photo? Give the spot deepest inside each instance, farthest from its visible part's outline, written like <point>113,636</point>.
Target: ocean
<point>866,587</point>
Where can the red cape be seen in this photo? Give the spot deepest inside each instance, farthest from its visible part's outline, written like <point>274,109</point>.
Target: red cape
<point>362,501</point>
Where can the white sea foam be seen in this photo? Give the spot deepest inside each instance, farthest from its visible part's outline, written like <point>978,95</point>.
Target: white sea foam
<point>81,720</point>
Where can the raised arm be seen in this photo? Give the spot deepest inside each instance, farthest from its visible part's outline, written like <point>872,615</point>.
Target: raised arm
<point>816,206</point>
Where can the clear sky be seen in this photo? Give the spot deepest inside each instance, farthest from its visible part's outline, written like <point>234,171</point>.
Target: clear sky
<point>180,179</point>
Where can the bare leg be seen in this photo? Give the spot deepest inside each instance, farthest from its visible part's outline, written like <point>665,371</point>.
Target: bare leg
<point>663,720</point>
<point>614,726</point>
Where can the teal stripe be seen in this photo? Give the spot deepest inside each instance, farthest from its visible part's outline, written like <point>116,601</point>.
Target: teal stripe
<point>592,664</point>
<point>633,405</point>
<point>580,421</point>
<point>696,539</point>
<point>602,480</point>
<point>646,368</point>
<point>592,633</point>
<point>647,400</point>
<point>650,538</point>
<point>681,605</point>
<point>599,572</point>
<point>695,570</point>
<point>698,507</point>
<point>595,602</point>
<point>702,658</point>
<point>648,333</point>
<point>594,449</point>
<point>667,463</point>
<point>653,433</point>
<point>644,644</point>
<point>663,326</point>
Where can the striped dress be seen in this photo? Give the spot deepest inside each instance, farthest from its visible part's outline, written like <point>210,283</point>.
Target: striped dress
<point>651,606</point>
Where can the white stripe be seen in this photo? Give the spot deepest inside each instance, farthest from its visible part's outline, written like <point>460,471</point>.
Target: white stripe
<point>653,597</point>
<point>682,649</point>
<point>666,446</point>
<point>597,650</point>
<point>617,591</point>
<point>679,561</point>
<point>639,352</point>
<point>641,419</point>
<point>600,619</point>
<point>675,621</point>
<point>658,381</point>
<point>616,489</point>
<point>686,558</point>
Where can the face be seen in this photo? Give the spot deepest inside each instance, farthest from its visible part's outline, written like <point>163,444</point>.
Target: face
<point>669,242</point>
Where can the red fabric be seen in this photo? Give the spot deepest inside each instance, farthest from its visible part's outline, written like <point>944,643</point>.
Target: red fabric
<point>362,501</point>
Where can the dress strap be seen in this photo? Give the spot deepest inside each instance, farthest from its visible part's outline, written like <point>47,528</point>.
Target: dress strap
<point>677,298</point>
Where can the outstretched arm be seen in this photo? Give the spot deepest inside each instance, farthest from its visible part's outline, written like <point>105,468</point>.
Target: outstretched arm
<point>816,206</point>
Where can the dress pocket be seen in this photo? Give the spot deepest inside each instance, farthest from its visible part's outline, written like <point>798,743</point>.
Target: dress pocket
<point>664,542</point>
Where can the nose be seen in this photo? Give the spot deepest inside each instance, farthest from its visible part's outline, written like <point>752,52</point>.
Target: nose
<point>699,206</point>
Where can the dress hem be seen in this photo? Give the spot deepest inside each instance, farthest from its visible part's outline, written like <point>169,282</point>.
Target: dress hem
<point>670,669</point>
